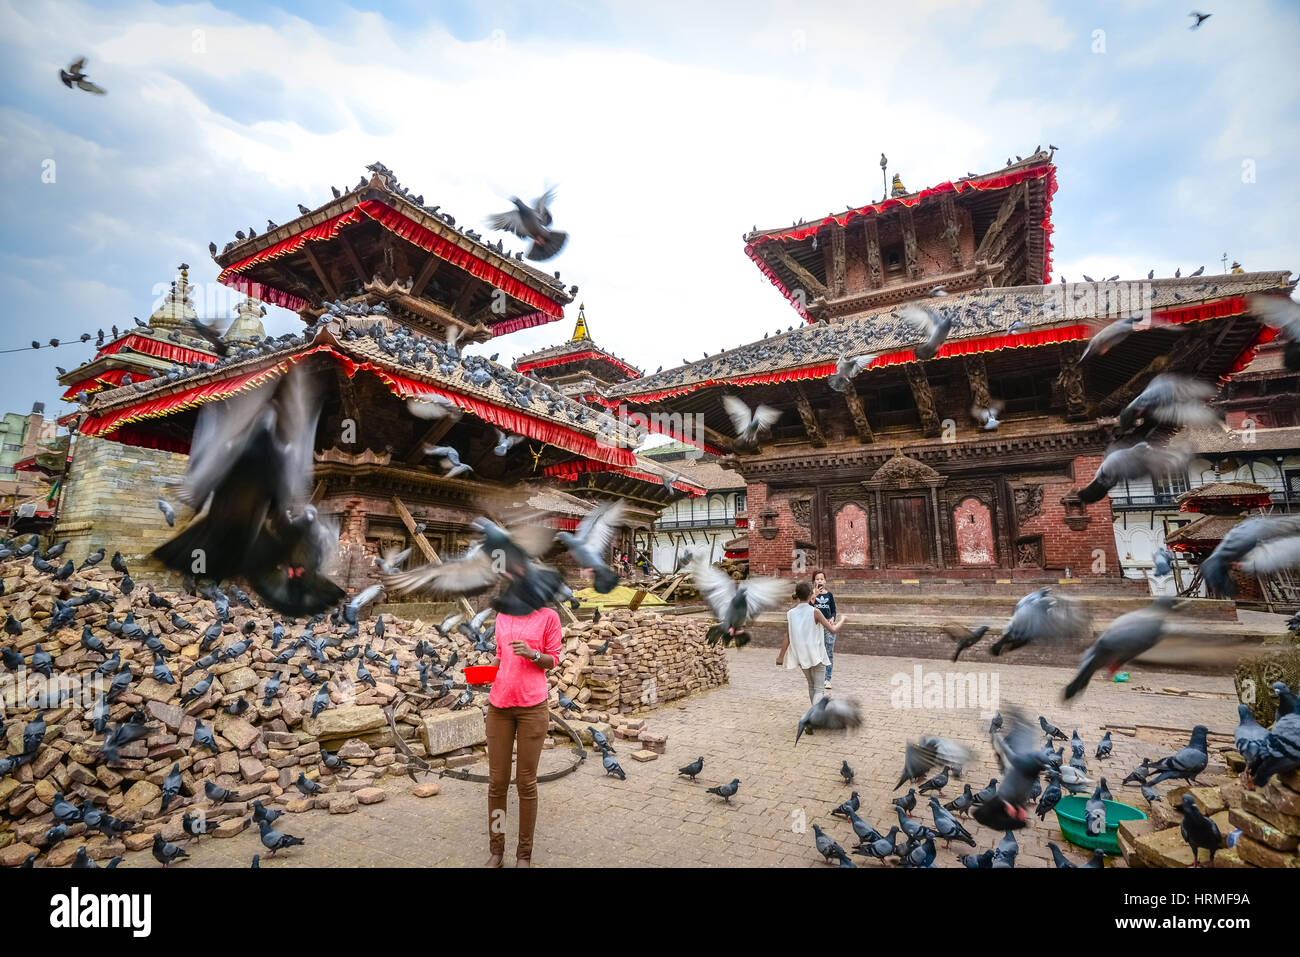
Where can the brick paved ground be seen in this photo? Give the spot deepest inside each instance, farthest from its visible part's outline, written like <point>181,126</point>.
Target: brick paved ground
<point>746,730</point>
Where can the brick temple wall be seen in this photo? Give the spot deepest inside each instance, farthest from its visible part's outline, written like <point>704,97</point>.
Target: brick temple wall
<point>1088,549</point>
<point>111,499</point>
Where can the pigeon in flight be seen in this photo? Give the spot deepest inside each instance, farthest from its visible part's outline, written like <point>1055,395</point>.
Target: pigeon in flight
<point>749,422</point>
<point>505,442</point>
<point>1283,314</point>
<point>829,714</point>
<point>1127,637</point>
<point>1110,336</point>
<point>735,603</point>
<point>1134,461</point>
<point>75,74</point>
<point>1257,546</point>
<point>934,326</point>
<point>1200,18</point>
<point>846,370</point>
<point>592,539</point>
<point>1172,400</point>
<point>452,466</point>
<point>1041,615</point>
<point>532,223</point>
<point>964,636</point>
<point>251,461</point>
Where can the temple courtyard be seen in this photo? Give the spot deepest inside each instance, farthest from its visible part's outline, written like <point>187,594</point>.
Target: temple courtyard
<point>746,730</point>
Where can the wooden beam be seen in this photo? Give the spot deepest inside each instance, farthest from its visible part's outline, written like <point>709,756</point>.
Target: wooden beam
<point>837,266</point>
<point>425,548</point>
<point>809,417</point>
<point>859,412</point>
<point>1070,379</point>
<point>434,433</point>
<point>318,492</point>
<point>951,228</point>
<point>924,397</point>
<point>978,377</point>
<point>1186,348</point>
<point>913,261</point>
<point>873,252</point>
<point>465,296</point>
<point>353,258</point>
<point>810,282</point>
<point>431,266</point>
<point>320,272</point>
<point>999,223</point>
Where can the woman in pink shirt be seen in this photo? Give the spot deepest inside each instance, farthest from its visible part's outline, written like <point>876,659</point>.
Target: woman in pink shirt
<point>528,645</point>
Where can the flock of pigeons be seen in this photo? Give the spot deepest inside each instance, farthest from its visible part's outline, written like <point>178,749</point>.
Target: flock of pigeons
<point>1024,764</point>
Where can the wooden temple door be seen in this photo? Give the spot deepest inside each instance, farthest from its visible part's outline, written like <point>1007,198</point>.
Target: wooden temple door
<point>909,530</point>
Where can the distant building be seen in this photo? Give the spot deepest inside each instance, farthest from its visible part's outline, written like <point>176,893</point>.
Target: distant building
<point>31,457</point>
<point>715,521</point>
<point>1261,404</point>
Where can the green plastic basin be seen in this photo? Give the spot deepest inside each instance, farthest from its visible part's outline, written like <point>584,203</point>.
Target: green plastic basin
<point>1070,818</point>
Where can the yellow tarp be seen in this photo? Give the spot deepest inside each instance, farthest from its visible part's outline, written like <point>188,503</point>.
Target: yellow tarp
<point>619,597</point>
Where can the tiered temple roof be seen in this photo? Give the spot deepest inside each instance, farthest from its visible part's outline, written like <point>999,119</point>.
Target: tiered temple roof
<point>433,274</point>
<point>144,351</point>
<point>1061,318</point>
<point>578,367</point>
<point>989,229</point>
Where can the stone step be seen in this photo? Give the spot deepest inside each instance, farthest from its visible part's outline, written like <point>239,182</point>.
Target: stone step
<point>902,601</point>
<point>916,636</point>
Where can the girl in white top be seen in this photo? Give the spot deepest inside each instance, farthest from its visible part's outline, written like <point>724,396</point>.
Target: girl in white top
<point>804,638</point>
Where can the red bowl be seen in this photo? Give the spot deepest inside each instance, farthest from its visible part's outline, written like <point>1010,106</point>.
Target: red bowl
<point>480,674</point>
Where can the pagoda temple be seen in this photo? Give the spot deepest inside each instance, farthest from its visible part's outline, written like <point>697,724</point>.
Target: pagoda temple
<point>387,287</point>
<point>578,368</point>
<point>891,476</point>
<point>583,371</point>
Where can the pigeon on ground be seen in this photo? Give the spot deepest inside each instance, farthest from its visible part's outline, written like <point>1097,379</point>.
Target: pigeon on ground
<point>1094,814</point>
<point>846,772</point>
<point>612,766</point>
<point>166,853</point>
<point>692,769</point>
<point>848,807</point>
<point>947,826</point>
<point>274,840</point>
<point>1199,831</point>
<point>1104,746</point>
<point>725,791</point>
<point>1249,736</point>
<point>307,786</point>
<point>936,783</point>
<point>1279,752</point>
<point>882,847</point>
<point>827,847</point>
<point>1185,764</point>
<point>172,785</point>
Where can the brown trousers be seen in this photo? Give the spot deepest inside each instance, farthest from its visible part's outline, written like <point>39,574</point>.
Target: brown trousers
<point>503,726</point>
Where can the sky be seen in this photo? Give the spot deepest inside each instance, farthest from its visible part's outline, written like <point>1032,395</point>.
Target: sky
<point>668,128</point>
